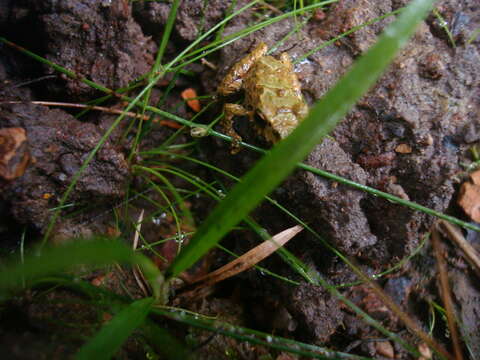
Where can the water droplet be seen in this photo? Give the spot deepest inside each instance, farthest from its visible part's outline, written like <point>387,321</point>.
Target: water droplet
<point>180,238</point>
<point>443,23</point>
<point>198,132</point>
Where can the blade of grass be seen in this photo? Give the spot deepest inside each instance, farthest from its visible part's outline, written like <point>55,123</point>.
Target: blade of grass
<point>389,197</point>
<point>444,25</point>
<point>446,292</point>
<point>345,34</point>
<point>158,337</point>
<point>255,337</point>
<point>282,159</point>
<point>95,294</point>
<point>155,69</point>
<point>230,8</point>
<point>473,37</point>
<point>166,34</point>
<point>60,258</point>
<point>112,335</point>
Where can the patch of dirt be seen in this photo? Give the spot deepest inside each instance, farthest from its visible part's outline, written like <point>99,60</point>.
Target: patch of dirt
<point>193,17</point>
<point>54,325</point>
<point>58,145</point>
<point>408,136</point>
<point>98,40</point>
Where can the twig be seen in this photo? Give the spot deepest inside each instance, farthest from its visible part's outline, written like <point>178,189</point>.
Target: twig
<point>403,316</point>
<point>208,64</point>
<point>271,7</point>
<point>81,106</point>
<point>457,238</point>
<point>137,272</point>
<point>445,292</point>
<point>29,82</point>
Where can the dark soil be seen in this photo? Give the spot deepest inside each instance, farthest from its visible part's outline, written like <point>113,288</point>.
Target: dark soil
<point>409,136</point>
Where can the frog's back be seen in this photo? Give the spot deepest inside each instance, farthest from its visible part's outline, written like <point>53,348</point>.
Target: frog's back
<point>269,72</point>
<point>272,88</point>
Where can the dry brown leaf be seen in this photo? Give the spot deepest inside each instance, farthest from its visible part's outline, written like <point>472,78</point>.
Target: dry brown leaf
<point>469,200</point>
<point>250,258</point>
<point>385,348</point>
<point>425,351</point>
<point>475,176</point>
<point>403,149</point>
<point>14,154</point>
<point>201,286</point>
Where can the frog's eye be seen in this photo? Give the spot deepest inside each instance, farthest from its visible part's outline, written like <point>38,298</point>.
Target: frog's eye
<point>285,58</point>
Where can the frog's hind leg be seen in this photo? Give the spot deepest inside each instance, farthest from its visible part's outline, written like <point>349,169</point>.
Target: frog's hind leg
<point>230,111</point>
<point>232,82</point>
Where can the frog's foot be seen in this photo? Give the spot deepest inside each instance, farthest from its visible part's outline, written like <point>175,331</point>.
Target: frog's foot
<point>232,110</point>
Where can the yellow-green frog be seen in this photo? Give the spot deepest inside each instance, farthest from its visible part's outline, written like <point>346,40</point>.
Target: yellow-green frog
<point>272,90</point>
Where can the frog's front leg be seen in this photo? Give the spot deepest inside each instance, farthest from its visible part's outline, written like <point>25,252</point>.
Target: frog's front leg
<point>232,82</point>
<point>230,111</point>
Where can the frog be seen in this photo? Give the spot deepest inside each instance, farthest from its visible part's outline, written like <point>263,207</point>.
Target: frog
<point>272,90</point>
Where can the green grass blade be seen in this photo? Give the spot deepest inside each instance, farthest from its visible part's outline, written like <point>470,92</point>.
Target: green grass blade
<point>111,336</point>
<point>282,159</point>
<point>243,334</point>
<point>157,337</point>
<point>85,252</point>
<point>166,34</point>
